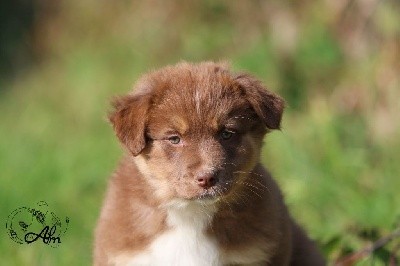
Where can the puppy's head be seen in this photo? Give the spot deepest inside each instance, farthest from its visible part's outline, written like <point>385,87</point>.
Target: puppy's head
<point>195,130</point>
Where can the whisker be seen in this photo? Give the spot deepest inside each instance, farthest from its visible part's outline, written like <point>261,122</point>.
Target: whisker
<point>258,195</point>
<point>262,185</point>
<point>230,163</point>
<point>259,183</point>
<point>222,198</point>
<point>251,185</point>
<point>249,172</point>
<point>242,197</point>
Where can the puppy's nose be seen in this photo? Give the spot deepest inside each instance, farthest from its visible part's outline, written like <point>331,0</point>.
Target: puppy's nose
<point>207,180</point>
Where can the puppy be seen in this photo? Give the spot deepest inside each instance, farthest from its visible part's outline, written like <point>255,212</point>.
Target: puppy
<point>190,189</point>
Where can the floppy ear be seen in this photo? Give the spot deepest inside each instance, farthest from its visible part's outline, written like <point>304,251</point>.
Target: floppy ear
<point>129,120</point>
<point>268,106</point>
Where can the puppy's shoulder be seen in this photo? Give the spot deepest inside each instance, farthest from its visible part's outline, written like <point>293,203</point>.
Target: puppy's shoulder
<point>129,219</point>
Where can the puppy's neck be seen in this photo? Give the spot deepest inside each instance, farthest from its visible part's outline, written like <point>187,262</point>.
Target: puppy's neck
<point>192,214</point>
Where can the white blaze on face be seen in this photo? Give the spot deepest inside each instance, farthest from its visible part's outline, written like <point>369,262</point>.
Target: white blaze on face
<point>197,100</point>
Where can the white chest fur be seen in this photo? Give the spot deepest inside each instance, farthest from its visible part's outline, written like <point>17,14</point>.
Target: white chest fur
<point>187,244</point>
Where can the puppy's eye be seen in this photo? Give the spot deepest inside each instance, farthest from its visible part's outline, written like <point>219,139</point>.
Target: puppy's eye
<point>226,134</point>
<point>174,139</point>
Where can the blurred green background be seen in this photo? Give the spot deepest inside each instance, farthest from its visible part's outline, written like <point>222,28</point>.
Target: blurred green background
<point>337,64</point>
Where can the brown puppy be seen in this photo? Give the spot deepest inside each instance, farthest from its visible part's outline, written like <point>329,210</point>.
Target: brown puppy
<point>191,190</point>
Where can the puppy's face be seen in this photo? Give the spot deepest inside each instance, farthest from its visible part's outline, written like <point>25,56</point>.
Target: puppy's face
<point>196,130</point>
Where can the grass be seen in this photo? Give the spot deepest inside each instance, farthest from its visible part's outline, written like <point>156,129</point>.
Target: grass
<point>335,158</point>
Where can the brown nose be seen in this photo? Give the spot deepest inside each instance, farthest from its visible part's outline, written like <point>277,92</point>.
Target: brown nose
<point>207,180</point>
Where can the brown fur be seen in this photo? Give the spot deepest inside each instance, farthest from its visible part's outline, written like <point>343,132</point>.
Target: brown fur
<point>197,102</point>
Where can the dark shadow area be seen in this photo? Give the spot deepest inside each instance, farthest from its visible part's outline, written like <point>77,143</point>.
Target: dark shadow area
<point>16,25</point>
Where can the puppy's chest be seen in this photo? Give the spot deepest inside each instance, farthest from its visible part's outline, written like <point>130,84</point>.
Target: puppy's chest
<point>181,246</point>
<point>186,243</point>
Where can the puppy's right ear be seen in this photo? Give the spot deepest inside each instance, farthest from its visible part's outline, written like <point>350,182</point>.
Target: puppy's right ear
<point>129,120</point>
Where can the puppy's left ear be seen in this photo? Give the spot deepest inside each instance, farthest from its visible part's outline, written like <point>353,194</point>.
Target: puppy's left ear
<point>268,106</point>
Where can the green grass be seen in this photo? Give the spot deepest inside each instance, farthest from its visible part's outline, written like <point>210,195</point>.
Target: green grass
<point>336,157</point>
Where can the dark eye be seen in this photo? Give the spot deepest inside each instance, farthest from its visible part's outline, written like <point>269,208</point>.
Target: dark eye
<point>174,139</point>
<point>226,134</point>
